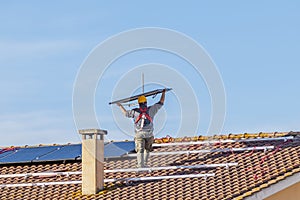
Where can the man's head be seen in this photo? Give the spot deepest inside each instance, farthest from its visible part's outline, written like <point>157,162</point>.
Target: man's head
<point>142,100</point>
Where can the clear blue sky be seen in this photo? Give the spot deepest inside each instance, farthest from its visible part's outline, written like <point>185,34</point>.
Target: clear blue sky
<point>254,44</point>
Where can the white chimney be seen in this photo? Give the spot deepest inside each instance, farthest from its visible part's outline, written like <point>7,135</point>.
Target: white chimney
<point>92,160</point>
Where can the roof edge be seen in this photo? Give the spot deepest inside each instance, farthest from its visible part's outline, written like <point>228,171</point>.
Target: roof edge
<point>272,189</point>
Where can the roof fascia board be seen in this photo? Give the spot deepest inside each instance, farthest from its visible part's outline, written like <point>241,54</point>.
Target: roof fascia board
<point>272,189</point>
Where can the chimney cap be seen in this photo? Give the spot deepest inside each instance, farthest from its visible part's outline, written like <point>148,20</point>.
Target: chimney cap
<point>92,131</point>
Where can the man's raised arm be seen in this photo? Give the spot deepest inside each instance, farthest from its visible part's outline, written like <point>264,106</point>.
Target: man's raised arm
<point>122,108</point>
<point>162,98</point>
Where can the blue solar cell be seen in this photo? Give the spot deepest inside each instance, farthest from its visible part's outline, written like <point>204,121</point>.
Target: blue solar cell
<point>62,152</point>
<point>28,154</point>
<point>4,153</point>
<point>116,149</point>
<point>69,152</point>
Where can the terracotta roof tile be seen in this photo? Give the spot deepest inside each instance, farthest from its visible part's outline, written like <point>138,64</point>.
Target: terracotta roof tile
<point>255,170</point>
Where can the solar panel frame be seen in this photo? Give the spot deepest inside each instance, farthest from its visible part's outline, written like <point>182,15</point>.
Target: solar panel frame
<point>61,152</point>
<point>117,149</point>
<point>6,153</point>
<point>67,152</point>
<point>29,154</point>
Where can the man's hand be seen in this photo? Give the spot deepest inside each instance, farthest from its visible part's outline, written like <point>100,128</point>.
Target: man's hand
<point>122,108</point>
<point>162,98</point>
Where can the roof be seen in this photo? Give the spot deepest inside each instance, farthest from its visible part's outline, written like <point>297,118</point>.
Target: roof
<point>257,168</point>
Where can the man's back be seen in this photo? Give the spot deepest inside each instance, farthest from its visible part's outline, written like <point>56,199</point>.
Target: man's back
<point>144,124</point>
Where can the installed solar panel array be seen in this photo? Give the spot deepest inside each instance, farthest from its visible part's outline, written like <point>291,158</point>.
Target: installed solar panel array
<point>61,152</point>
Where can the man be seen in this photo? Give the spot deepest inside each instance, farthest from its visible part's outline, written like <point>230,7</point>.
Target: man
<point>143,124</point>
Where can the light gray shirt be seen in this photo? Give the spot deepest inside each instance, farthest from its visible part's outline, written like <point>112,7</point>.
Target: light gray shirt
<point>146,130</point>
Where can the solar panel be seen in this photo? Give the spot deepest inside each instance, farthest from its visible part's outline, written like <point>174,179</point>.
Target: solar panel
<point>61,152</point>
<point>28,154</point>
<point>117,149</point>
<point>69,152</point>
<point>4,153</point>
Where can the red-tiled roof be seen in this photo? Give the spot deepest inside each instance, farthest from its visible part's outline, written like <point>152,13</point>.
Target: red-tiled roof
<point>256,169</point>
